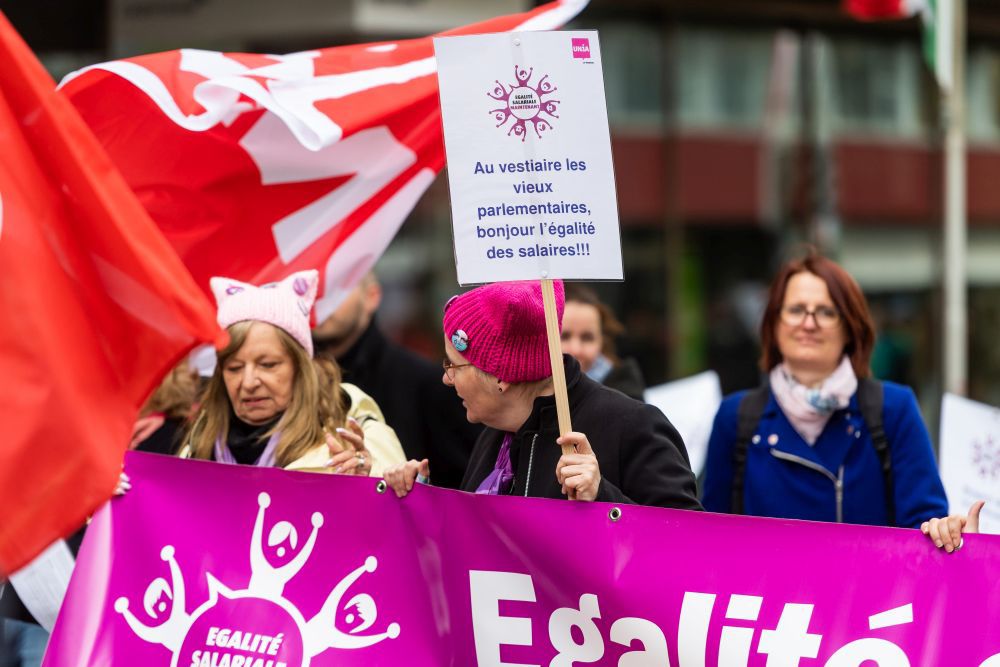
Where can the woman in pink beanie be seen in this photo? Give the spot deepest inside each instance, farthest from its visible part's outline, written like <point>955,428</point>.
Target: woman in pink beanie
<point>498,363</point>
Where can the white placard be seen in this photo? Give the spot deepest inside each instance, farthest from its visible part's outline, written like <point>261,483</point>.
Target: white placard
<point>690,404</point>
<point>42,583</point>
<point>970,458</point>
<point>529,157</point>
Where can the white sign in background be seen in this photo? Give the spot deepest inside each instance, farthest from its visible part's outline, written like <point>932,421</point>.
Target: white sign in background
<point>690,404</point>
<point>529,157</point>
<point>970,458</point>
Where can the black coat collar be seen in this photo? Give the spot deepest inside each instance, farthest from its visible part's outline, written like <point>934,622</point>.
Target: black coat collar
<point>543,411</point>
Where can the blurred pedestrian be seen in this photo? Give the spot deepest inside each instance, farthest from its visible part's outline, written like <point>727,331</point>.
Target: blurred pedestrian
<point>269,403</point>
<point>589,329</point>
<point>426,415</point>
<point>822,440</point>
<point>22,642</point>
<point>165,416</point>
<point>22,638</point>
<point>498,364</point>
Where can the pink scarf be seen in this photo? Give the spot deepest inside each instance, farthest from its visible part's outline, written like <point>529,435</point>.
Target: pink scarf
<point>809,408</point>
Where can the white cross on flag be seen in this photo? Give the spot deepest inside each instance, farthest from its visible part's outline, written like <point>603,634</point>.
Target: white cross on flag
<point>256,166</point>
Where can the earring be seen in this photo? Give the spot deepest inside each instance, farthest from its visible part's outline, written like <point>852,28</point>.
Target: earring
<point>500,389</point>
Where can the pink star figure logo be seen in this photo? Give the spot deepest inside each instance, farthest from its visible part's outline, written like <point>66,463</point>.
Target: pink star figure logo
<point>524,104</point>
<point>986,457</point>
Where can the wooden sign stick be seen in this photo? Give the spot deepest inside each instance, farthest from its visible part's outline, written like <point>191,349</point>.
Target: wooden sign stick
<point>555,357</point>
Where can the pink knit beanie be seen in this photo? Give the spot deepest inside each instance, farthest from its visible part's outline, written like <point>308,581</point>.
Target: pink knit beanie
<point>284,304</point>
<point>500,329</point>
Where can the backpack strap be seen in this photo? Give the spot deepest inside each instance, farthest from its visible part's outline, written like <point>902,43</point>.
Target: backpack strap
<point>748,416</point>
<point>871,396</point>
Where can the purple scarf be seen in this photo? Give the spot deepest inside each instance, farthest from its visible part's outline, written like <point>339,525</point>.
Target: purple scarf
<point>502,473</point>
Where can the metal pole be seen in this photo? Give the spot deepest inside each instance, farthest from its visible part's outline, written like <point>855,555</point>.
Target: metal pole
<point>955,317</point>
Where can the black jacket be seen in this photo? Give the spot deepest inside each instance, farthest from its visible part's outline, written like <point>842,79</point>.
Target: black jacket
<point>166,439</point>
<point>626,377</point>
<point>641,455</point>
<point>427,416</point>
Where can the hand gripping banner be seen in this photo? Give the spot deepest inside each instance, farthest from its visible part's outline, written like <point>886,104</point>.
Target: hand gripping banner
<point>257,166</point>
<point>205,565</point>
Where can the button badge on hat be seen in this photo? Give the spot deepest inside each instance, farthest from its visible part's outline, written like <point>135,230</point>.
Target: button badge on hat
<point>460,340</point>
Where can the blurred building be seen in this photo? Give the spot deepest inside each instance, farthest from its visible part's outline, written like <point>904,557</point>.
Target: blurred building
<point>740,128</point>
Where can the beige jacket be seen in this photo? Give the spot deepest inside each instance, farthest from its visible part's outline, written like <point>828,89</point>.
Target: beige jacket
<point>380,439</point>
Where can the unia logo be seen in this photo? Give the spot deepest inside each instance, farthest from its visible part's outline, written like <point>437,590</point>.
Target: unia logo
<point>256,626</point>
<point>524,104</point>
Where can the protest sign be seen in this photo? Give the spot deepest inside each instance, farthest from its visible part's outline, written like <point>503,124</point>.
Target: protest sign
<point>259,567</point>
<point>529,157</point>
<point>690,404</point>
<point>41,584</point>
<point>970,458</point>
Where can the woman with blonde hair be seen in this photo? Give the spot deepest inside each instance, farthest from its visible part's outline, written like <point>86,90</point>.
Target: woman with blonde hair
<point>270,403</point>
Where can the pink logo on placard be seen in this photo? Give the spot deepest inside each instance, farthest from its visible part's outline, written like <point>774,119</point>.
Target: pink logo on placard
<point>524,105</point>
<point>581,47</point>
<point>986,457</point>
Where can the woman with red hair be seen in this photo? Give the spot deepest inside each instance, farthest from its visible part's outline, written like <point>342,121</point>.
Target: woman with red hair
<point>821,440</point>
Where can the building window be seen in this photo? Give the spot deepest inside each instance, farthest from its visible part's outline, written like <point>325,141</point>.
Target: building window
<point>633,73</point>
<point>721,78</point>
<point>876,88</point>
<point>983,95</point>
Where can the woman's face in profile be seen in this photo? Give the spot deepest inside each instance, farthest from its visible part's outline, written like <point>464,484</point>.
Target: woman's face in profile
<point>810,329</point>
<point>582,338</point>
<point>259,376</point>
<point>480,397</point>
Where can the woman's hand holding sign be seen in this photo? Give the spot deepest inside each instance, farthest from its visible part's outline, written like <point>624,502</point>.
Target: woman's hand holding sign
<point>579,473</point>
<point>947,533</point>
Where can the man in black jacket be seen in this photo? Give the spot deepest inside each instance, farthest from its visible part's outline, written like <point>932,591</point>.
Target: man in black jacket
<point>426,415</point>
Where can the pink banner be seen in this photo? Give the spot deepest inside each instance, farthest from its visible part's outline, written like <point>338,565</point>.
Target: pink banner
<point>205,565</point>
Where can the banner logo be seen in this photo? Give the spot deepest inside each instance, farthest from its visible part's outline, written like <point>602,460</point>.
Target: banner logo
<point>256,626</point>
<point>524,104</point>
<point>581,48</point>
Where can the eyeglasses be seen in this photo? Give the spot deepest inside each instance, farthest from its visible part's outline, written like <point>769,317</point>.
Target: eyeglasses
<point>824,316</point>
<point>450,368</point>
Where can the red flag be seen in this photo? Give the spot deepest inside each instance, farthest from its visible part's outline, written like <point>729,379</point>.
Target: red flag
<point>258,166</point>
<point>875,10</point>
<point>95,308</point>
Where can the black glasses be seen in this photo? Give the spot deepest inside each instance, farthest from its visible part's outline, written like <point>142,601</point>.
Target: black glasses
<point>450,368</point>
<point>824,316</point>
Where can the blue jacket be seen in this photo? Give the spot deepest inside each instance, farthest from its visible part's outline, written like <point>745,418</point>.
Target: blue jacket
<point>837,479</point>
